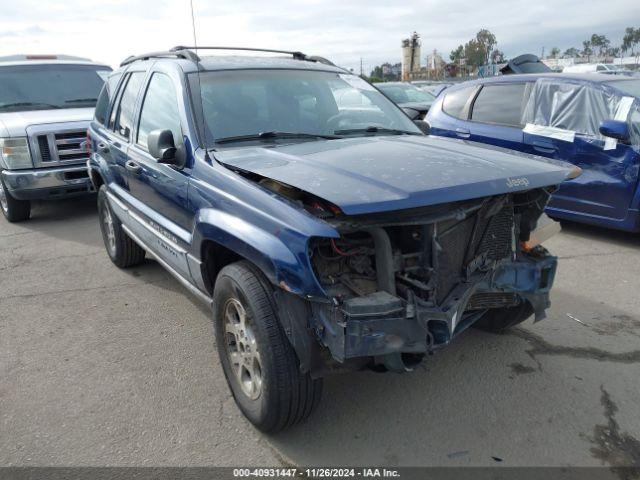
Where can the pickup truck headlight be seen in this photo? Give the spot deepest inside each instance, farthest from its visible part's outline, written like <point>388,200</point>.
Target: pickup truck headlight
<point>15,153</point>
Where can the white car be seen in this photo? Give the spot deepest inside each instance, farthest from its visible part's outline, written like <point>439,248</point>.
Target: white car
<point>46,103</point>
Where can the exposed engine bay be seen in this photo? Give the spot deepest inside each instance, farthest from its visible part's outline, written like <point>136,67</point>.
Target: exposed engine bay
<point>427,252</point>
<point>404,283</point>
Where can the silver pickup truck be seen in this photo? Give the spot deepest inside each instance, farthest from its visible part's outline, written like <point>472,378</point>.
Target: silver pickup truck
<point>46,103</point>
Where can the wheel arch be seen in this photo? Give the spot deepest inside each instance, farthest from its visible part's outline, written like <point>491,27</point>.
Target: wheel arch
<point>220,238</point>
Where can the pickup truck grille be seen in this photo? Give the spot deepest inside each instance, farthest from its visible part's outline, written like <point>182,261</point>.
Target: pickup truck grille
<point>56,148</point>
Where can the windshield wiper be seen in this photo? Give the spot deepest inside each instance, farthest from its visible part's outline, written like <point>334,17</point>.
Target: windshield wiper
<point>373,129</point>
<point>81,100</point>
<point>275,135</point>
<point>29,104</point>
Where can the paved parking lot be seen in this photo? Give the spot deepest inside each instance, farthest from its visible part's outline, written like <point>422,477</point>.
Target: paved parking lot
<point>105,367</point>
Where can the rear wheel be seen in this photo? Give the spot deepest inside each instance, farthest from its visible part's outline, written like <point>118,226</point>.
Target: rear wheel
<point>500,319</point>
<point>14,210</point>
<point>259,363</point>
<point>122,250</point>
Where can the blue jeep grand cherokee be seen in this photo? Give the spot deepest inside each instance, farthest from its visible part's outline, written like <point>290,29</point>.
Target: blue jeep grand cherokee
<point>325,235</point>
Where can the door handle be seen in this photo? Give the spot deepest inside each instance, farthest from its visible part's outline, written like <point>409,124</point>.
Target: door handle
<point>132,166</point>
<point>544,147</point>
<point>463,132</point>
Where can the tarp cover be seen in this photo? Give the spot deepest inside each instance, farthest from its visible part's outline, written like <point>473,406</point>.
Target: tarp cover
<point>574,107</point>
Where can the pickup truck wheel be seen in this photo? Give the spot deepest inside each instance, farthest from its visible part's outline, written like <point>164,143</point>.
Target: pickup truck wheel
<point>259,363</point>
<point>500,319</point>
<point>14,210</point>
<point>122,251</point>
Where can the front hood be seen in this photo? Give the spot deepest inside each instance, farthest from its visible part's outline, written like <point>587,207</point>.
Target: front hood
<point>14,124</point>
<point>376,174</point>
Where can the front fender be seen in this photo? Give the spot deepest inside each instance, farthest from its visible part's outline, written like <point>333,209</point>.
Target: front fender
<point>286,265</point>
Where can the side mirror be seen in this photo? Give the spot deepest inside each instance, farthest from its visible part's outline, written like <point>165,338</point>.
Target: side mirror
<point>412,113</point>
<point>424,126</point>
<point>162,146</point>
<point>615,129</point>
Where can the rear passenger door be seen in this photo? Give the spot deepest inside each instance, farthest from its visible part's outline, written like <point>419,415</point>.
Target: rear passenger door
<point>116,136</point>
<point>449,117</point>
<point>496,115</point>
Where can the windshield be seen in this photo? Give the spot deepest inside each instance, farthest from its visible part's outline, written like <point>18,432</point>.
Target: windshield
<point>630,87</point>
<point>49,86</point>
<point>406,93</point>
<point>247,103</point>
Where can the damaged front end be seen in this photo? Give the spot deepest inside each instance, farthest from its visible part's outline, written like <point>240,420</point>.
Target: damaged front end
<point>403,284</point>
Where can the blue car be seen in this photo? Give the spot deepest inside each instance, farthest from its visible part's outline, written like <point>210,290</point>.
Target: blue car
<point>324,235</point>
<point>590,120</point>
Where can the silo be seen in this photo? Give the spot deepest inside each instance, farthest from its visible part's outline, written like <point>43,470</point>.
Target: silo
<point>410,56</point>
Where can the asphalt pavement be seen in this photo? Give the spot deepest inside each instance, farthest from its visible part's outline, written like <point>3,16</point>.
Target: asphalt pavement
<point>100,366</point>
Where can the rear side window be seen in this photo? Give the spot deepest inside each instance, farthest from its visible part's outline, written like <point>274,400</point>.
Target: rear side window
<point>454,102</point>
<point>104,99</point>
<point>126,109</point>
<point>500,104</point>
<point>159,110</point>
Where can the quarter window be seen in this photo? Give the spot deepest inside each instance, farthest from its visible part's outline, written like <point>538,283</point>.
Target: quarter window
<point>104,100</point>
<point>159,110</point>
<point>500,104</point>
<point>454,102</point>
<point>126,110</point>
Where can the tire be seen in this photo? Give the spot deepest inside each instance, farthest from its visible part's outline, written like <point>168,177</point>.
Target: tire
<point>122,250</point>
<point>14,210</point>
<point>499,320</point>
<point>259,363</point>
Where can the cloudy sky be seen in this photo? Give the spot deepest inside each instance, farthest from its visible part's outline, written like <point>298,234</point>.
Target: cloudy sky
<point>342,30</point>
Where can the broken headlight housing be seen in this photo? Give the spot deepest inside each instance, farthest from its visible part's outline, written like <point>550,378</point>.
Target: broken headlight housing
<point>15,154</point>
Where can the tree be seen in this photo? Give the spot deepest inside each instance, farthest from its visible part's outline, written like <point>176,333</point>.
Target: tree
<point>487,41</point>
<point>599,43</point>
<point>475,53</point>
<point>630,40</point>
<point>555,51</point>
<point>571,53</point>
<point>587,51</point>
<point>457,54</point>
<point>497,56</point>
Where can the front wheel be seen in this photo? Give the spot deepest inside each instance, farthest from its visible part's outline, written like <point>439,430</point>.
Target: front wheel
<point>498,320</point>
<point>260,365</point>
<point>14,210</point>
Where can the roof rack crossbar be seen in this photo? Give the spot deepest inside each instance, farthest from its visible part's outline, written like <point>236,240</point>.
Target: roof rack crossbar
<point>181,53</point>
<point>295,55</point>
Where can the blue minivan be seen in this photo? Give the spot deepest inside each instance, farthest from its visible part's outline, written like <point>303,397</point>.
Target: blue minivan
<point>590,120</point>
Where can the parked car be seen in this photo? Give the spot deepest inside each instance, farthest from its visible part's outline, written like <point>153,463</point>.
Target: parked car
<point>432,87</point>
<point>590,120</point>
<point>324,238</point>
<point>46,102</point>
<point>413,100</point>
<point>605,68</point>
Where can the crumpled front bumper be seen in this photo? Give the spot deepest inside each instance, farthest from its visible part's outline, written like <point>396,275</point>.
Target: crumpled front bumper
<point>47,182</point>
<point>381,324</point>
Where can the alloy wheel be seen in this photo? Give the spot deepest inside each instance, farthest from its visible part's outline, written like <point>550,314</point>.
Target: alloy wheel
<point>242,348</point>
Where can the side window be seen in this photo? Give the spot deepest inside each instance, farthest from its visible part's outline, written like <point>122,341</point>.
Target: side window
<point>159,110</point>
<point>126,109</point>
<point>500,104</point>
<point>104,99</point>
<point>454,102</point>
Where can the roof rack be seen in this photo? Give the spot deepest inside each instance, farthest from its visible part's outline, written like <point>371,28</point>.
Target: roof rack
<point>187,53</point>
<point>295,55</point>
<point>177,52</point>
